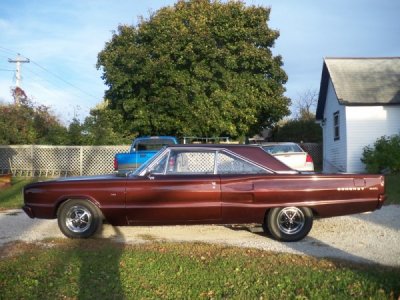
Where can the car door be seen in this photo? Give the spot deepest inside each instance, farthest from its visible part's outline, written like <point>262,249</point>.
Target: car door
<point>181,188</point>
<point>238,192</point>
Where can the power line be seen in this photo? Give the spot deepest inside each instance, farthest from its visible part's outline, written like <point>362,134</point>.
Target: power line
<point>4,55</point>
<point>63,80</point>
<point>7,50</point>
<point>51,73</point>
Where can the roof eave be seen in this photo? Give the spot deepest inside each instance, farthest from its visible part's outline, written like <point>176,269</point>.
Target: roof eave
<point>323,90</point>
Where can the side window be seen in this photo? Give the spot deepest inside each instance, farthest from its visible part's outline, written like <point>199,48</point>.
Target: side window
<point>336,126</point>
<point>227,164</point>
<point>191,162</point>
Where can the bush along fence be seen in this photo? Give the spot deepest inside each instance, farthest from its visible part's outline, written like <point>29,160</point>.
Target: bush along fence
<point>55,161</point>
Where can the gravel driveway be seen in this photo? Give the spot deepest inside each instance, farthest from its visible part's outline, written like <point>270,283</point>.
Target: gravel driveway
<point>365,238</point>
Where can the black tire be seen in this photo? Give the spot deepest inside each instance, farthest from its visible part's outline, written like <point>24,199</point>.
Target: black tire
<point>265,227</point>
<point>289,224</point>
<point>79,219</point>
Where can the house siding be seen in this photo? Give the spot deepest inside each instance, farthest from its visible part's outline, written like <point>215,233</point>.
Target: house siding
<point>365,124</point>
<point>334,151</point>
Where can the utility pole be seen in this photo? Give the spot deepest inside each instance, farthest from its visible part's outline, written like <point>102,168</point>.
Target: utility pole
<point>18,60</point>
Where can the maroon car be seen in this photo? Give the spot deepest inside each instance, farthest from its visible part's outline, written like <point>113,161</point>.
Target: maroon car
<point>204,184</point>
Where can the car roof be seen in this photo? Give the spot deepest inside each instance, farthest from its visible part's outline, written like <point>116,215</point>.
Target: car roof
<point>251,152</point>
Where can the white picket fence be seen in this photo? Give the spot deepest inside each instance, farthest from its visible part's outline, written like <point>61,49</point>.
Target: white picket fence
<point>39,160</point>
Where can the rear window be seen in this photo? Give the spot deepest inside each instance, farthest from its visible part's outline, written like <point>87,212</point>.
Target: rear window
<point>153,144</point>
<point>275,149</point>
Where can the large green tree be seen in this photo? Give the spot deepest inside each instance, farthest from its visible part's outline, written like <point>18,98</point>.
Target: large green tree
<point>104,127</point>
<point>201,68</point>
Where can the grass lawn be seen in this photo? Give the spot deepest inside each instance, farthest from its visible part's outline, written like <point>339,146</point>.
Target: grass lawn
<point>101,269</point>
<point>11,197</point>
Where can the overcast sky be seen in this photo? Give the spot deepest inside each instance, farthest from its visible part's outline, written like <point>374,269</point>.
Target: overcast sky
<point>62,39</point>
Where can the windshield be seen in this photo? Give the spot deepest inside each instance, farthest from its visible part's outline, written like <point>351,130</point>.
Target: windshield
<point>147,163</point>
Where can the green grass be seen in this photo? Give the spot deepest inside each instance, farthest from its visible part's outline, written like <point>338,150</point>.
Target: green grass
<point>393,189</point>
<point>101,269</point>
<point>11,197</point>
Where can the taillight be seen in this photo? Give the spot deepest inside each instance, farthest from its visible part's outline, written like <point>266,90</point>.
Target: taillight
<point>381,200</point>
<point>309,159</point>
<point>115,164</point>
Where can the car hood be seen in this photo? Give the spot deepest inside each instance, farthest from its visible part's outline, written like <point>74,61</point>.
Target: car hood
<point>73,179</point>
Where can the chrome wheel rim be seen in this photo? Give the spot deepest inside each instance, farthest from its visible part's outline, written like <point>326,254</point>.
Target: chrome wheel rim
<point>78,219</point>
<point>291,220</point>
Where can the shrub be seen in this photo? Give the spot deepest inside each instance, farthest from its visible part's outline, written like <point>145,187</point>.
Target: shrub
<point>298,131</point>
<point>384,156</point>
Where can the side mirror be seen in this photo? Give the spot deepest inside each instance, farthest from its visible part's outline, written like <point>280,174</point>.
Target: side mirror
<point>149,174</point>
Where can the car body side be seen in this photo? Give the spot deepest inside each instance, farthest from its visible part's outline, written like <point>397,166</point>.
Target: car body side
<point>208,199</point>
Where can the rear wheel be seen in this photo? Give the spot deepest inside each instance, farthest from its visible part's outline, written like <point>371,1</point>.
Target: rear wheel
<point>289,224</point>
<point>79,219</point>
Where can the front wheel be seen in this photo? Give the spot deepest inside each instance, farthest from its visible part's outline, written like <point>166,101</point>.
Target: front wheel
<point>289,224</point>
<point>79,219</point>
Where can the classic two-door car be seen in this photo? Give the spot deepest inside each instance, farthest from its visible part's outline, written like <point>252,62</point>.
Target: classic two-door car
<point>205,184</point>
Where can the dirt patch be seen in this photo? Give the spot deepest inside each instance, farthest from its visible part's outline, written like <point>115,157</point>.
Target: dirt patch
<point>15,248</point>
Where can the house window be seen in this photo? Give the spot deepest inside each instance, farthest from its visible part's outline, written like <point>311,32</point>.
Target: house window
<point>336,126</point>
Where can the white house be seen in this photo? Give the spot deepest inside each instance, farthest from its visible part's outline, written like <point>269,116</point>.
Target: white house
<point>359,101</point>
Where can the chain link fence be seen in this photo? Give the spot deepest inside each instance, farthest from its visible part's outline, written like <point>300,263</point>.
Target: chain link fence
<point>38,160</point>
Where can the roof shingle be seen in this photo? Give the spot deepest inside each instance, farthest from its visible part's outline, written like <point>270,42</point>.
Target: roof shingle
<point>361,81</point>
